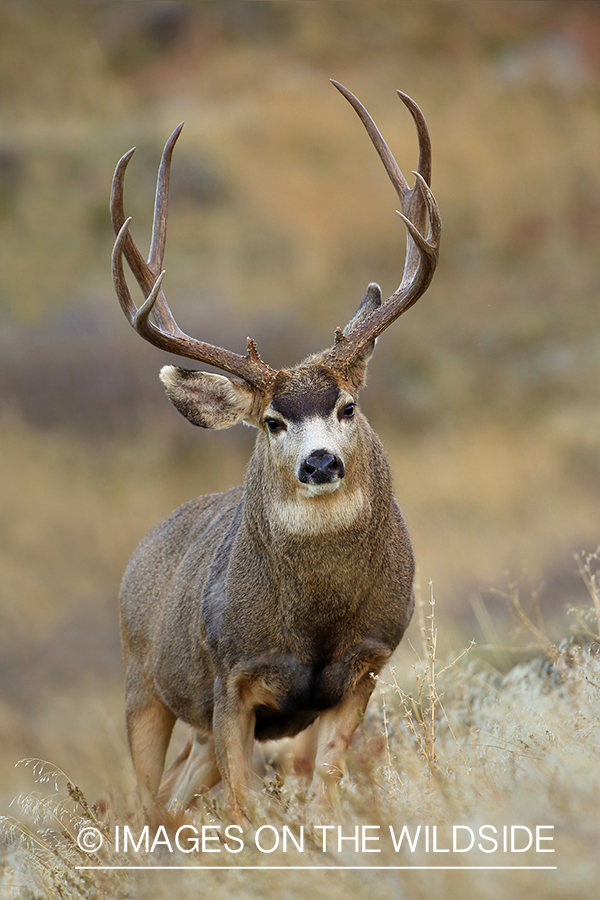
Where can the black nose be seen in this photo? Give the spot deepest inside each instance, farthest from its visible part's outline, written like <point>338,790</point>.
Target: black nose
<point>321,467</point>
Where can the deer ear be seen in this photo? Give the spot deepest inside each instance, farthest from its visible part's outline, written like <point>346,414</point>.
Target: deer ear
<point>207,400</point>
<point>358,371</point>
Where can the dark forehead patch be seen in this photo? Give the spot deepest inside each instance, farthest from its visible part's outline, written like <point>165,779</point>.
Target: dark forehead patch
<point>304,392</point>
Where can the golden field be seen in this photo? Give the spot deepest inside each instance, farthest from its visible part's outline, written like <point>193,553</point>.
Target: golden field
<point>485,394</point>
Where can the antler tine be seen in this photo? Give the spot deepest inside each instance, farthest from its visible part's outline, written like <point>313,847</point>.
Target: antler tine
<point>122,291</point>
<point>146,272</point>
<point>166,334</point>
<point>161,204</point>
<point>417,204</point>
<point>385,154</point>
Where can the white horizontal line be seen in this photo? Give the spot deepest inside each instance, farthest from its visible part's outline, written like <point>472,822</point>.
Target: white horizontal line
<point>324,868</point>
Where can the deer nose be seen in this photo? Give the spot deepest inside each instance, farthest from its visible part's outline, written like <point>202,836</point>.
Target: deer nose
<point>321,467</point>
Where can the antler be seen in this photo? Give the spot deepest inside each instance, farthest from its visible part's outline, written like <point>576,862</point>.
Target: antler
<point>166,333</point>
<point>422,252</point>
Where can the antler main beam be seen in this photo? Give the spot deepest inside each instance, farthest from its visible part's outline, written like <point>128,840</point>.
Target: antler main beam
<point>166,334</point>
<point>417,204</point>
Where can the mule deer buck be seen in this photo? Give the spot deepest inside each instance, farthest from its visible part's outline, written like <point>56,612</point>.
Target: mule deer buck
<point>252,613</point>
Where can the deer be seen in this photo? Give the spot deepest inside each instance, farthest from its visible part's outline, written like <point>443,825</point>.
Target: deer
<point>253,613</point>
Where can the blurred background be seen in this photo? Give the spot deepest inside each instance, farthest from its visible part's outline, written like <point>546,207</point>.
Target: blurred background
<point>486,394</point>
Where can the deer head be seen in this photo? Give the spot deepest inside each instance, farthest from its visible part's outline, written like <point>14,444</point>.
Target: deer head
<point>308,413</point>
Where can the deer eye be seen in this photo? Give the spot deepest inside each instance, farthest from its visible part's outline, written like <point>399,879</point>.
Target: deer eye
<point>274,425</point>
<point>348,411</point>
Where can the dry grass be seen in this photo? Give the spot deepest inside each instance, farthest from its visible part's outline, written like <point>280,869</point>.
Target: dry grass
<point>486,395</point>
<point>462,746</point>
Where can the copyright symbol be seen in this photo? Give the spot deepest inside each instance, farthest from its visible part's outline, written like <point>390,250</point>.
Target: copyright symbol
<point>89,839</point>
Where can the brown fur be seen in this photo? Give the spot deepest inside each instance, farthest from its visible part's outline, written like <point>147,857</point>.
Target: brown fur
<point>245,628</point>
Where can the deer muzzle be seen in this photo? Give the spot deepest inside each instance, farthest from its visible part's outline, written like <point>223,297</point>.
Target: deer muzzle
<point>321,467</point>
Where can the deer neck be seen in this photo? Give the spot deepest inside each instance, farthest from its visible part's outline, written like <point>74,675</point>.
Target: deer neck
<point>290,525</point>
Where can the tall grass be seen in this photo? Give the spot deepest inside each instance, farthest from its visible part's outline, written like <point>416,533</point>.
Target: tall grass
<point>486,395</point>
<point>445,743</point>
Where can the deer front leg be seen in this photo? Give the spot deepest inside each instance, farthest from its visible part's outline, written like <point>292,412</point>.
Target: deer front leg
<point>336,727</point>
<point>233,732</point>
<point>338,724</point>
<point>149,727</point>
<point>257,682</point>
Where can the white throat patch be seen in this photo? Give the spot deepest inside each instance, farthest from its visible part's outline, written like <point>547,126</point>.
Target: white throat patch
<point>316,490</point>
<point>323,508</point>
